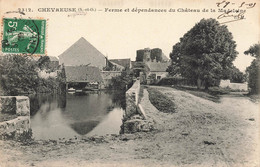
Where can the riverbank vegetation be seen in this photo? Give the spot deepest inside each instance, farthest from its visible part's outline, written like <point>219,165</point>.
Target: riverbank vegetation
<point>24,75</point>
<point>160,101</point>
<point>123,82</point>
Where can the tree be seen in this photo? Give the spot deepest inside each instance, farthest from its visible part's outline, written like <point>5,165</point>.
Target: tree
<point>43,62</point>
<point>253,51</point>
<point>204,53</point>
<point>17,75</point>
<point>237,76</point>
<point>253,69</point>
<point>123,82</point>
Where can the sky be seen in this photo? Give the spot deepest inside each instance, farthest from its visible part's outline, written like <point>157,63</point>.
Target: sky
<point>120,34</point>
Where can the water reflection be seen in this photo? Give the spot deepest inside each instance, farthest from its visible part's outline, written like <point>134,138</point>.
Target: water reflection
<point>62,100</point>
<point>70,115</point>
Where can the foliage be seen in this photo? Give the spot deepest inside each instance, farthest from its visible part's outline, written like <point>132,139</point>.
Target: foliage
<point>140,67</point>
<point>253,51</point>
<point>173,69</point>
<point>253,69</point>
<point>17,75</point>
<point>175,81</point>
<point>237,76</point>
<point>234,74</point>
<point>160,101</point>
<point>152,79</point>
<point>218,90</point>
<point>204,53</point>
<point>122,82</point>
<point>26,136</point>
<point>43,62</point>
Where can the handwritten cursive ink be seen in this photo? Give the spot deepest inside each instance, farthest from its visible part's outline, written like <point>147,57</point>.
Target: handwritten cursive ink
<point>22,13</point>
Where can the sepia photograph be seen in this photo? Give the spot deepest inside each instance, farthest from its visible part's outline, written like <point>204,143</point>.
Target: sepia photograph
<point>130,83</point>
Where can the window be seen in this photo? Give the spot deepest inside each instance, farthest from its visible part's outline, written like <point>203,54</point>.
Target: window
<point>158,77</point>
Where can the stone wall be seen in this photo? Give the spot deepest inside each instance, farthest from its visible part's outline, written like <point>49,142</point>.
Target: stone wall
<point>15,105</point>
<point>132,96</point>
<point>134,119</point>
<point>234,86</point>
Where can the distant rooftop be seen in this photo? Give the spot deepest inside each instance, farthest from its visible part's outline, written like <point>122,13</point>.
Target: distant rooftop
<point>83,74</point>
<point>126,63</point>
<point>158,67</point>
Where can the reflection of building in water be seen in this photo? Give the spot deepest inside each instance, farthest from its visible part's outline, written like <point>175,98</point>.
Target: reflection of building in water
<point>81,115</point>
<point>83,128</point>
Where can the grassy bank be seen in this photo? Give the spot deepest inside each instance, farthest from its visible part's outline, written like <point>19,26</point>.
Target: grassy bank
<point>160,101</point>
<point>212,94</point>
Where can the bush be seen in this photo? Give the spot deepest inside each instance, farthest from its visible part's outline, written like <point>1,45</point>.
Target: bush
<point>254,79</point>
<point>26,136</point>
<point>219,91</point>
<point>253,69</point>
<point>17,75</point>
<point>160,101</point>
<point>122,82</point>
<point>175,81</point>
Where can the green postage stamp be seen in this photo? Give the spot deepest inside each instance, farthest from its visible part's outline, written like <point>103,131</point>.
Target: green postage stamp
<point>23,36</point>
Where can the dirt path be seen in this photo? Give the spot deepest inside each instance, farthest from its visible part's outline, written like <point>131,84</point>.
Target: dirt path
<point>200,133</point>
<point>220,134</point>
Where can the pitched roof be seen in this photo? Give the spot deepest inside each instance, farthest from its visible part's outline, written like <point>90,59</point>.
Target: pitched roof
<point>120,67</point>
<point>158,66</point>
<point>82,53</point>
<point>123,62</point>
<point>83,74</point>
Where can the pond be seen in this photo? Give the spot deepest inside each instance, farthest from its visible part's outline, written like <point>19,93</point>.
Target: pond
<point>69,115</point>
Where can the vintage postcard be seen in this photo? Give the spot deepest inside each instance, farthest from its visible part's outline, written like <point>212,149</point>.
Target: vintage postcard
<point>129,83</point>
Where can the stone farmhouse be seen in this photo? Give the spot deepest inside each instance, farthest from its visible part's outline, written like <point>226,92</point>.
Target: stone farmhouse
<point>83,76</point>
<point>85,66</point>
<point>152,70</point>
